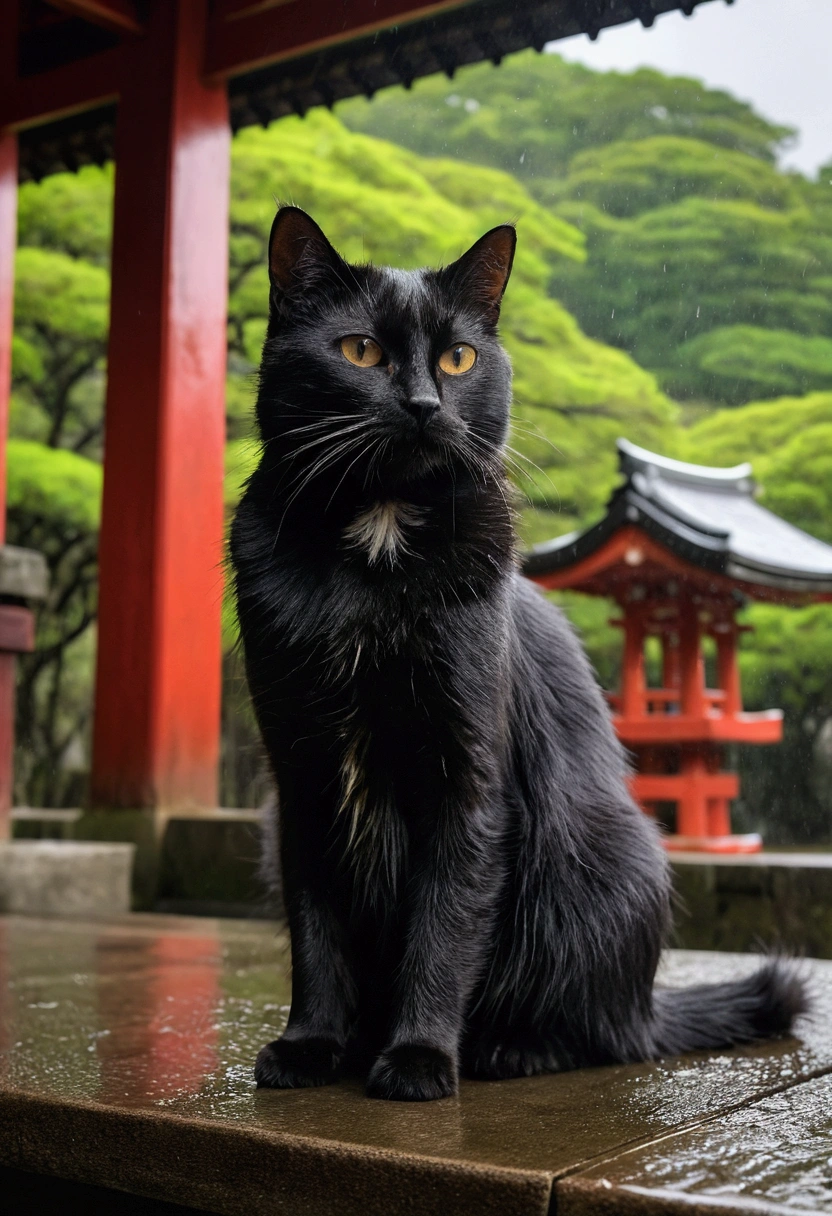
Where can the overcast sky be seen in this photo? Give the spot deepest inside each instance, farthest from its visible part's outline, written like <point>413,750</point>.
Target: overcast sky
<point>777,54</point>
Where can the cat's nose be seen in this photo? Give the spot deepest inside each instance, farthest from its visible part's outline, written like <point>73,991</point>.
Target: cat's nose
<point>422,409</point>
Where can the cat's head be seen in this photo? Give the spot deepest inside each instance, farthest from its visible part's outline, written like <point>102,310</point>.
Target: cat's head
<point>384,373</point>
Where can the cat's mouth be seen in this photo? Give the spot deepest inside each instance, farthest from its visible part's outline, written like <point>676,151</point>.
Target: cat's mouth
<point>421,448</point>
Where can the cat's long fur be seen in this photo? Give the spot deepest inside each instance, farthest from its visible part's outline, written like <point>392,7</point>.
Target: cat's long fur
<point>467,880</point>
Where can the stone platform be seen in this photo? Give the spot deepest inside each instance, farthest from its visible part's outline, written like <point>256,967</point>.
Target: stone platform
<point>126,1052</point>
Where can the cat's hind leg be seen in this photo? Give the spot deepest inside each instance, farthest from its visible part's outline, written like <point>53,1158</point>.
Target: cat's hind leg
<point>511,1049</point>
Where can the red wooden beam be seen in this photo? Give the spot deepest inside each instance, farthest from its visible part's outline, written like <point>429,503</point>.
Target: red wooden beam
<point>8,244</point>
<point>8,241</point>
<point>79,85</point>
<point>117,15</point>
<point>272,34</point>
<point>233,10</point>
<point>157,709</point>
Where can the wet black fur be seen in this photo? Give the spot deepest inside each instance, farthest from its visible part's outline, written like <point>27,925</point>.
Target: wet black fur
<point>484,895</point>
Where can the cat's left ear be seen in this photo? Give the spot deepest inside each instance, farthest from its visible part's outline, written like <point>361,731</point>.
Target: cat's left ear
<point>482,273</point>
<point>299,253</point>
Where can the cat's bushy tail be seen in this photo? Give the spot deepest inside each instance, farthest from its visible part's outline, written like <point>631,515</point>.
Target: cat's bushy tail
<point>760,1006</point>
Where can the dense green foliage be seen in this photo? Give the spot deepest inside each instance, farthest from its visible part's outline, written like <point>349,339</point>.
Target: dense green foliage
<point>695,240</point>
<point>787,660</point>
<point>537,112</point>
<point>54,474</point>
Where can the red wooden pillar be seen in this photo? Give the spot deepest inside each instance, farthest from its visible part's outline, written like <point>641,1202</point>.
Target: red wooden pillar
<point>671,679</point>
<point>8,243</point>
<point>692,806</point>
<point>157,708</point>
<point>691,664</point>
<point>633,682</point>
<point>728,671</point>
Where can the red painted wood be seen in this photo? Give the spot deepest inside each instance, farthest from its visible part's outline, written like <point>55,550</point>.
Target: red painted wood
<point>728,667</point>
<point>607,572</point>
<point>633,703</point>
<point>677,731</point>
<point>7,691</point>
<point>670,729</point>
<point>668,787</point>
<point>118,15</point>
<point>17,629</point>
<point>749,843</point>
<point>691,666</point>
<point>69,89</point>
<point>304,25</point>
<point>158,676</point>
<point>8,243</point>
<point>233,10</point>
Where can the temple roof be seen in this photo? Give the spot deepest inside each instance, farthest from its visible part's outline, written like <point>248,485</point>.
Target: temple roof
<point>707,517</point>
<point>473,31</point>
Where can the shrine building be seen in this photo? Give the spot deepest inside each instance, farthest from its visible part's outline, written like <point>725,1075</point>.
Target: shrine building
<point>681,549</point>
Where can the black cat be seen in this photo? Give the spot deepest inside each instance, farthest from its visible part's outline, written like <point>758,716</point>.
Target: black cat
<point>467,880</point>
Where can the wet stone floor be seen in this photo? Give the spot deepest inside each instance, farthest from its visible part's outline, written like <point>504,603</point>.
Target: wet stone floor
<point>126,1053</point>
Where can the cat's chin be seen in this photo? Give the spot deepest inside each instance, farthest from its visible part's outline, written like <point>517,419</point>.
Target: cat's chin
<point>413,1072</point>
<point>413,463</point>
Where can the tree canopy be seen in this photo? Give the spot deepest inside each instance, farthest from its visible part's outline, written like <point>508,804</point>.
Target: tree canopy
<point>694,236</point>
<point>536,112</point>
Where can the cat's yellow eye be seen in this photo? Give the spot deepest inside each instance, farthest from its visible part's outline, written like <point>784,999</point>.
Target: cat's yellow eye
<point>458,359</point>
<point>363,352</point>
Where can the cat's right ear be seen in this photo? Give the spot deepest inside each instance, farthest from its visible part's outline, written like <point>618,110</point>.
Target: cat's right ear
<point>299,253</point>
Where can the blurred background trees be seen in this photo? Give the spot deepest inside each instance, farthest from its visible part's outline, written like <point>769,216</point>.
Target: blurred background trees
<point>672,285</point>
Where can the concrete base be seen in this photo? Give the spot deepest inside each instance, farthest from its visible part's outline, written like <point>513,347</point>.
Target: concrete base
<point>65,878</point>
<point>206,863</point>
<point>780,900</point>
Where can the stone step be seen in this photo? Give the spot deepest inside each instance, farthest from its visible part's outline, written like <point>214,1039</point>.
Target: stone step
<point>65,878</point>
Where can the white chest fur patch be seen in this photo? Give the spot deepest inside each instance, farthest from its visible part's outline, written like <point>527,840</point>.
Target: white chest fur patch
<point>380,530</point>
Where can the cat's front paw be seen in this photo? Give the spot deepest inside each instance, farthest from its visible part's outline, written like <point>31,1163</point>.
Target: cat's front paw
<point>297,1063</point>
<point>413,1072</point>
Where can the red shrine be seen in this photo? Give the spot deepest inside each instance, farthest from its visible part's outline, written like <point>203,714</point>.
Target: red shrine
<point>681,549</point>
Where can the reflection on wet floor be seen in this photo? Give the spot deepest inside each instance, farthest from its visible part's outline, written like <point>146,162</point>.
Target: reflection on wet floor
<point>120,1015</point>
<point>157,1000</point>
<point>167,1014</point>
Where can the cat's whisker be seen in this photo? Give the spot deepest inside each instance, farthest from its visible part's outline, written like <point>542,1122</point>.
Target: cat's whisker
<point>334,434</point>
<point>343,476</point>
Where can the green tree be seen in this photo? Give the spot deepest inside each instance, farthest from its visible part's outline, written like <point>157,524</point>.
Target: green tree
<point>786,659</point>
<point>661,279</point>
<point>61,306</point>
<point>694,237</point>
<point>737,363</point>
<point>53,505</point>
<point>534,113</point>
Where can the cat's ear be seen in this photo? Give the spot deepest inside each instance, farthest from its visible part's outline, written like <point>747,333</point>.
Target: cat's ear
<point>299,253</point>
<point>482,273</point>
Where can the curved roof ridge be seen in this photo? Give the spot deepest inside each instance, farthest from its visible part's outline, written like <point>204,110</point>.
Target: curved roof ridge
<point>633,459</point>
